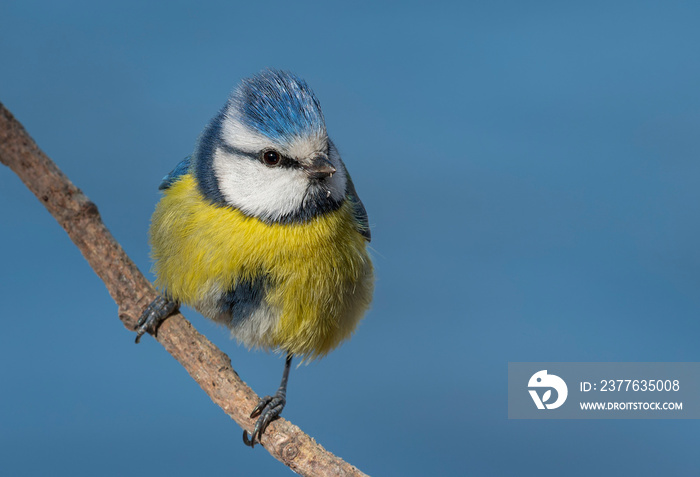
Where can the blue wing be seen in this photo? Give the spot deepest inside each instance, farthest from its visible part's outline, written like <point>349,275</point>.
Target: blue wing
<point>174,175</point>
<point>359,209</point>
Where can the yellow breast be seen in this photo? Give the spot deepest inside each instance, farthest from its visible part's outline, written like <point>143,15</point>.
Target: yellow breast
<point>319,271</point>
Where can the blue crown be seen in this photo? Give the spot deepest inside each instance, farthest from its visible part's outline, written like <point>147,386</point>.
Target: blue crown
<point>279,105</point>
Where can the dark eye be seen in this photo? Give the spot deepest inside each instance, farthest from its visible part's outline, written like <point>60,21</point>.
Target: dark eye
<point>271,158</point>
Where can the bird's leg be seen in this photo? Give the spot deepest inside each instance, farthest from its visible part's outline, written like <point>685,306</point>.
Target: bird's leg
<point>154,314</point>
<point>269,407</point>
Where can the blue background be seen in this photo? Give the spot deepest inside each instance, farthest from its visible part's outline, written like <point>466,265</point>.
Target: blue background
<point>532,179</point>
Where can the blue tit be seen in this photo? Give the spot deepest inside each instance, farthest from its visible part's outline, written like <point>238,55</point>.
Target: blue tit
<point>261,230</point>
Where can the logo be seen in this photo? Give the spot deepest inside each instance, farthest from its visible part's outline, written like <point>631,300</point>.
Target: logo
<point>543,380</point>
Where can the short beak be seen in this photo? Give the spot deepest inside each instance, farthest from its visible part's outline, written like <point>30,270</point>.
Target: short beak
<point>319,168</point>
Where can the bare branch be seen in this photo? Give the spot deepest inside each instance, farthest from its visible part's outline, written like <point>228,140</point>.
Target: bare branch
<point>207,365</point>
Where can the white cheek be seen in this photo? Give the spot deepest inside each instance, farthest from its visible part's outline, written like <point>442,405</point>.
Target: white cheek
<point>256,189</point>
<point>271,192</point>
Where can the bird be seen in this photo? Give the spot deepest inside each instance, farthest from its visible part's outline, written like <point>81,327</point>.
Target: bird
<point>261,229</point>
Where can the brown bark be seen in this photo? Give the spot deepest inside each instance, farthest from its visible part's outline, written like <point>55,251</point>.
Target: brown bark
<point>207,365</point>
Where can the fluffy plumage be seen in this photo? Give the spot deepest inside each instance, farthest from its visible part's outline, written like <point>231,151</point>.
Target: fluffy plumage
<point>277,252</point>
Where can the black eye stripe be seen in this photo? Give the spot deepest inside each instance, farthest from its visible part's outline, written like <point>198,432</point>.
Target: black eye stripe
<point>284,160</point>
<point>234,150</point>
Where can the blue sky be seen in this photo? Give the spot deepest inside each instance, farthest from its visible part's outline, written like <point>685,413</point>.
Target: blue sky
<point>530,170</point>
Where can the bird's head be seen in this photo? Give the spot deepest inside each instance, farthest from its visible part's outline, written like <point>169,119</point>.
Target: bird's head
<point>267,153</point>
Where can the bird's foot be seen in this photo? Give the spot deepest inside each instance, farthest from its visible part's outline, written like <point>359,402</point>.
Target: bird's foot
<point>154,314</point>
<point>269,409</point>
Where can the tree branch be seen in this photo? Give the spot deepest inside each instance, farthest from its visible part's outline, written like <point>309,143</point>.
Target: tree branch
<point>207,365</point>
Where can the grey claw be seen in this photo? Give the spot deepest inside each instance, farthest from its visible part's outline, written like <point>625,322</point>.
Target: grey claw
<point>268,409</point>
<point>154,314</point>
